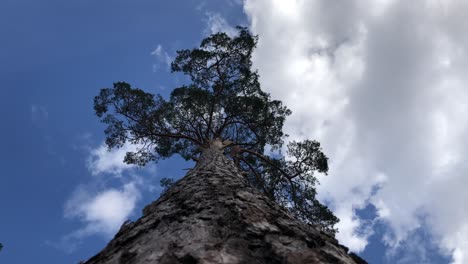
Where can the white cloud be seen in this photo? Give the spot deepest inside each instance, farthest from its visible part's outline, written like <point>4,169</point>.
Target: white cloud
<point>102,212</point>
<point>381,84</point>
<point>104,161</point>
<point>102,209</point>
<point>216,23</point>
<point>99,212</point>
<point>162,57</point>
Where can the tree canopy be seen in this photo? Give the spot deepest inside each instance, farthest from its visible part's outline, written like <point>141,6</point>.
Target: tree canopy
<point>223,101</point>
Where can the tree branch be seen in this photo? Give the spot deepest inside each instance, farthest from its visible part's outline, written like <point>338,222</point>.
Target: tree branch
<point>267,160</point>
<point>256,176</point>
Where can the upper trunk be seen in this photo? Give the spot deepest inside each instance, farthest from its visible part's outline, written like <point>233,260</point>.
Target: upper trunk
<point>213,215</point>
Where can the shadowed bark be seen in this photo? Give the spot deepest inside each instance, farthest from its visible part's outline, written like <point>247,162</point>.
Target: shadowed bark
<point>213,215</point>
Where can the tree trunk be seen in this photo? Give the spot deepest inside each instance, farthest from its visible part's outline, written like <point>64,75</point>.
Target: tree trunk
<point>213,215</point>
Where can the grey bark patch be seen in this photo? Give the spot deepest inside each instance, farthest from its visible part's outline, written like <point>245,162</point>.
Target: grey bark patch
<point>127,257</point>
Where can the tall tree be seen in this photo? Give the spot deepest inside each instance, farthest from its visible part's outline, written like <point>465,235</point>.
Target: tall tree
<point>223,102</point>
<point>232,207</point>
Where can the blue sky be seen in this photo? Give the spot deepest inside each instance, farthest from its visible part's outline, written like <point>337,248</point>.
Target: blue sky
<point>379,83</point>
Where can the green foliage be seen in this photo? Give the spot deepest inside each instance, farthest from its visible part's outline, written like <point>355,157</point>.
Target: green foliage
<point>291,182</point>
<point>223,101</point>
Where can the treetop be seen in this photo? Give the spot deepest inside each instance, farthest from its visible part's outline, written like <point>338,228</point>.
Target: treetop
<point>223,101</point>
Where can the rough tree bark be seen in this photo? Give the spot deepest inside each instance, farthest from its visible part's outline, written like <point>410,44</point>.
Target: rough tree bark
<point>213,215</point>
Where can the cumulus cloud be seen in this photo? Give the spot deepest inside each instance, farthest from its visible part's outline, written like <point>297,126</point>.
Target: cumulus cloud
<point>102,212</point>
<point>99,212</point>
<point>381,84</point>
<point>101,160</point>
<point>103,204</point>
